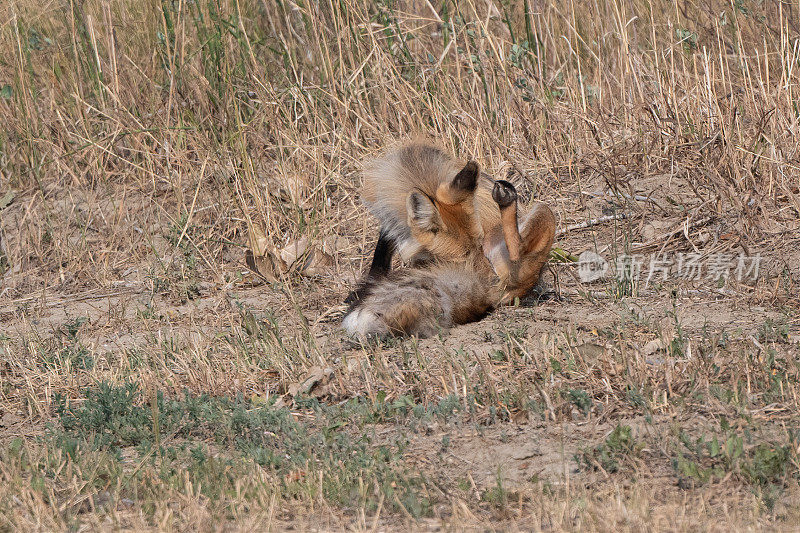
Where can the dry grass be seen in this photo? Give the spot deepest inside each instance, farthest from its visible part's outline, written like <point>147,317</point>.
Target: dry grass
<point>145,145</point>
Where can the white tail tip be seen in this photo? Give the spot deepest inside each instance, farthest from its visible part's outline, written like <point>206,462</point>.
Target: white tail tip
<point>362,323</point>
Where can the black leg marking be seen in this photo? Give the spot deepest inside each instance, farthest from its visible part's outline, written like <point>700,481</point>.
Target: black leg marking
<point>382,259</point>
<point>381,265</point>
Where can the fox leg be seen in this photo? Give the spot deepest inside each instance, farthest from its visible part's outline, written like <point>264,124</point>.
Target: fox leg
<point>407,302</point>
<point>519,263</point>
<point>538,232</point>
<point>505,195</point>
<point>382,258</point>
<point>381,265</point>
<point>420,302</point>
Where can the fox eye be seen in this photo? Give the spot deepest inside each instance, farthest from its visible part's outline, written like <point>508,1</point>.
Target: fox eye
<point>422,213</point>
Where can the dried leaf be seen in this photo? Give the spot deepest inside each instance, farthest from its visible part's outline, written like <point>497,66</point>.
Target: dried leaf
<point>267,266</point>
<point>315,383</point>
<point>316,263</point>
<point>9,419</point>
<point>261,257</point>
<point>293,251</point>
<point>656,228</point>
<point>653,346</point>
<point>306,259</point>
<point>334,244</point>
<point>7,198</point>
<point>590,351</point>
<point>258,240</point>
<point>316,374</point>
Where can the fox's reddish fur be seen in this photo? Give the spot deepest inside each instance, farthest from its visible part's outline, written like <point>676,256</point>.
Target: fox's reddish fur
<point>460,229</point>
<point>424,169</point>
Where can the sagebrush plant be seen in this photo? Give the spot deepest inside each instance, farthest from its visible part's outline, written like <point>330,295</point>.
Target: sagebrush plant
<point>144,146</point>
<point>113,417</point>
<point>619,450</point>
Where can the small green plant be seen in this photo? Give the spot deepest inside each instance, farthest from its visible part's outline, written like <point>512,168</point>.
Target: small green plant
<point>773,331</point>
<point>65,350</point>
<point>113,417</point>
<point>498,356</point>
<point>636,399</point>
<point>626,268</point>
<point>71,327</point>
<point>497,495</point>
<point>768,463</point>
<point>517,54</point>
<point>109,417</point>
<point>581,400</point>
<point>678,345</point>
<point>688,39</point>
<point>618,450</point>
<point>706,459</point>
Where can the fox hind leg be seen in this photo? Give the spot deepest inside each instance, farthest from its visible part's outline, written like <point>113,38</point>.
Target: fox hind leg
<point>528,245</point>
<point>505,195</point>
<point>408,302</point>
<point>538,231</point>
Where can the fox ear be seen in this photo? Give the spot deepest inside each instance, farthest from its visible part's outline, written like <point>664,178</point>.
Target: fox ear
<point>422,213</point>
<point>461,187</point>
<point>467,178</point>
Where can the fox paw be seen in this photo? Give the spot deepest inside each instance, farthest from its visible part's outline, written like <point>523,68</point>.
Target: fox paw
<point>504,193</point>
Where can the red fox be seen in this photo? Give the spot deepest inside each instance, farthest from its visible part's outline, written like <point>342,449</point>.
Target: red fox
<point>458,230</point>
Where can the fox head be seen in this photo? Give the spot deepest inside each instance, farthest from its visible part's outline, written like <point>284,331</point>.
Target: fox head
<point>446,225</point>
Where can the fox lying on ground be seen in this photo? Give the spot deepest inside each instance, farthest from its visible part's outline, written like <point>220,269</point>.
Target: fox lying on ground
<point>458,231</point>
